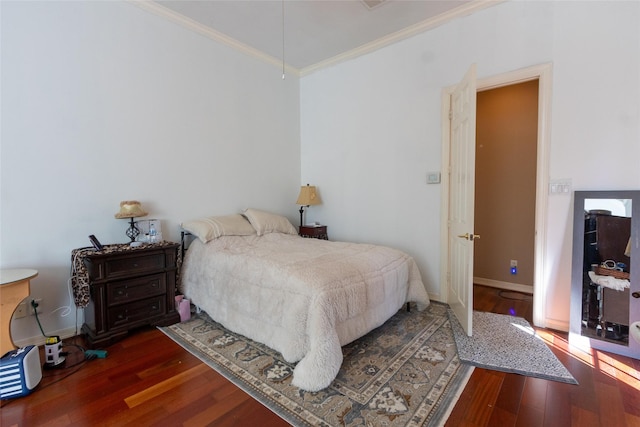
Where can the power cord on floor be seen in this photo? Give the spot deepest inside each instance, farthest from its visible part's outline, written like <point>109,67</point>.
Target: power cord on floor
<point>35,305</point>
<point>88,354</point>
<point>77,365</point>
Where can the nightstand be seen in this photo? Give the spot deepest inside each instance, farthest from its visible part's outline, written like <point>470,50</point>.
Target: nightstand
<point>314,231</point>
<point>128,287</point>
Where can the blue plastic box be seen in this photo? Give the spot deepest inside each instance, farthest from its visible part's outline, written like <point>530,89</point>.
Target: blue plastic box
<point>20,372</point>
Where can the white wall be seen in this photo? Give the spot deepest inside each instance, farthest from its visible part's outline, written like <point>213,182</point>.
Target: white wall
<point>103,102</point>
<point>370,127</point>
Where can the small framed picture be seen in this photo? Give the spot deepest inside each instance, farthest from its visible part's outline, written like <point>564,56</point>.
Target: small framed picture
<point>150,230</point>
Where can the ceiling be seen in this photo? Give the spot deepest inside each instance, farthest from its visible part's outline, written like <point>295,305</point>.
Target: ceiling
<point>315,32</point>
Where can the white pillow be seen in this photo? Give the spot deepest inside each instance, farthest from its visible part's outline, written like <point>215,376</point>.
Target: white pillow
<point>207,229</point>
<point>266,222</point>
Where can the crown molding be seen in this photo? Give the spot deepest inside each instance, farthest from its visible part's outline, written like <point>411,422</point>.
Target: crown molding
<point>157,9</point>
<point>463,10</point>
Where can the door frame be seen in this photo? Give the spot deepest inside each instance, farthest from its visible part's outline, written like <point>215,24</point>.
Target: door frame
<point>543,73</point>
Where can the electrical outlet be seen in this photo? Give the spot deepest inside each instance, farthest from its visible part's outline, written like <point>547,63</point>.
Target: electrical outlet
<point>38,301</point>
<point>514,263</point>
<point>21,311</point>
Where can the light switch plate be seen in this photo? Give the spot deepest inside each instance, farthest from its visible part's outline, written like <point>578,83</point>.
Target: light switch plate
<point>560,186</point>
<point>433,178</point>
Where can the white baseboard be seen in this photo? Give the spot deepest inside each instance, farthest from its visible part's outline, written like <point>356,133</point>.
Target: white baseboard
<point>436,297</point>
<point>527,289</point>
<point>40,340</point>
<point>558,325</point>
<point>517,287</point>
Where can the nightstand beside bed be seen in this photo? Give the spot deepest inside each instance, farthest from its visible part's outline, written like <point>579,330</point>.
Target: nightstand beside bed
<point>314,231</point>
<point>125,287</point>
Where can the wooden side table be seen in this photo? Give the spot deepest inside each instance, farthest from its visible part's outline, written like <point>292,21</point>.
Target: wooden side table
<point>130,287</point>
<point>14,287</point>
<point>314,231</point>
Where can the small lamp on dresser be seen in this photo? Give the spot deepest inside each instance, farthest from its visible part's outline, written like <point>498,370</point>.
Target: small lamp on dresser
<point>307,197</point>
<point>131,209</point>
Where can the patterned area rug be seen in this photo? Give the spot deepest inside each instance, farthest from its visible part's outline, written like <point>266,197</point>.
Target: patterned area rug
<point>508,344</point>
<point>404,373</point>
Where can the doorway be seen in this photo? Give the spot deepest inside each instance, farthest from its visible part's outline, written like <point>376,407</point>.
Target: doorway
<point>541,73</point>
<point>505,186</point>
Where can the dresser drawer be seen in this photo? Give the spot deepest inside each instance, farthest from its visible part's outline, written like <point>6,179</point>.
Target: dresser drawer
<point>316,231</point>
<point>126,314</point>
<point>133,265</point>
<point>125,291</point>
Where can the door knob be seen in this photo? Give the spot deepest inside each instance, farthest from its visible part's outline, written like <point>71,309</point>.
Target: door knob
<point>468,236</point>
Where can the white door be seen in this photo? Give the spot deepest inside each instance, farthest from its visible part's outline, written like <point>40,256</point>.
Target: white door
<point>461,203</point>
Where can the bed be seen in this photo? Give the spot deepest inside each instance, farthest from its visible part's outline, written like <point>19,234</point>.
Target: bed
<point>302,297</point>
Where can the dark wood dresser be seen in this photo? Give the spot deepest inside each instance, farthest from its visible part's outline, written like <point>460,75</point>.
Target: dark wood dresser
<point>129,288</point>
<point>314,231</point>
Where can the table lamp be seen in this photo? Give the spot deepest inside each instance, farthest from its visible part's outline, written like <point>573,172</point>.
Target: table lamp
<point>307,197</point>
<point>131,209</point>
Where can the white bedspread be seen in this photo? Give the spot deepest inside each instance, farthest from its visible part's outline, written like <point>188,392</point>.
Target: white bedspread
<point>302,297</point>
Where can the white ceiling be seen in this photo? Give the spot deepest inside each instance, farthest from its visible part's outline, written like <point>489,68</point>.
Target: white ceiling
<point>315,31</point>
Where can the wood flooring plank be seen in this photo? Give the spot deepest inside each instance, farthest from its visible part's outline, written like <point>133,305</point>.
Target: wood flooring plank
<point>186,400</point>
<point>165,386</point>
<point>172,364</point>
<point>556,404</point>
<point>463,404</point>
<point>151,414</point>
<point>510,394</point>
<point>630,399</point>
<point>248,414</point>
<point>529,416</point>
<point>484,400</point>
<point>232,399</point>
<point>178,404</point>
<point>610,404</point>
<point>200,401</point>
<point>581,417</point>
<point>632,420</point>
<point>58,422</point>
<point>502,418</point>
<point>583,395</point>
<point>534,394</point>
<point>476,386</point>
<point>99,410</point>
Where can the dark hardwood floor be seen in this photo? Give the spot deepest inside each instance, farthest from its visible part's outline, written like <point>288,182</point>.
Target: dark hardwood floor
<point>147,379</point>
